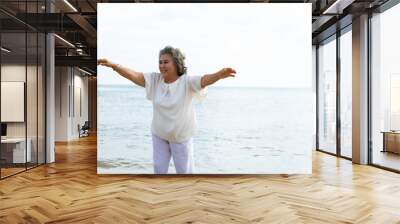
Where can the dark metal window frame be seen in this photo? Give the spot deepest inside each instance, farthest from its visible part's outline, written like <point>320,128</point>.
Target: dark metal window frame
<point>388,5</point>
<point>44,78</point>
<point>334,37</point>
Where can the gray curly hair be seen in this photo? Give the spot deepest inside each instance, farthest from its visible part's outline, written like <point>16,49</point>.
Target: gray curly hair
<point>178,56</point>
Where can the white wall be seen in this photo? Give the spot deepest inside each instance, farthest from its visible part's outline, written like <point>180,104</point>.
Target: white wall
<point>360,90</point>
<point>12,73</point>
<point>81,89</point>
<point>61,103</point>
<point>70,83</point>
<point>34,124</point>
<point>16,72</point>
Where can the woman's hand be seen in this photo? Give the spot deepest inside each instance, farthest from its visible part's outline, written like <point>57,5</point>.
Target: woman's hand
<point>106,62</point>
<point>207,80</point>
<point>226,72</point>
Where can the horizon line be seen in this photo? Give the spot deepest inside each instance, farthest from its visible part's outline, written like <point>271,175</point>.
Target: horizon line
<point>293,87</point>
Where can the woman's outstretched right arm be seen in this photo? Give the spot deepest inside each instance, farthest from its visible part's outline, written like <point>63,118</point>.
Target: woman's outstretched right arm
<point>136,77</point>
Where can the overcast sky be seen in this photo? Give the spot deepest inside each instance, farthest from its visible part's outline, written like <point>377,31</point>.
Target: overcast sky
<point>268,44</point>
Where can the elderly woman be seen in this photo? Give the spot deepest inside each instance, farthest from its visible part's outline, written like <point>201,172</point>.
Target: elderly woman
<point>171,92</point>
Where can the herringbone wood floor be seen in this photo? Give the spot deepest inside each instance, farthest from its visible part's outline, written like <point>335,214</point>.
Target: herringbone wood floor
<point>70,191</point>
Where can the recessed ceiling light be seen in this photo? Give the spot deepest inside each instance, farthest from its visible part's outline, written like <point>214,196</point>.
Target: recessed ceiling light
<point>5,50</point>
<point>70,5</point>
<point>64,40</point>
<point>338,6</point>
<point>86,72</point>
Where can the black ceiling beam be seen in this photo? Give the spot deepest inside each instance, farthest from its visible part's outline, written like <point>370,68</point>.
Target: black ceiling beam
<point>76,61</point>
<point>331,30</point>
<point>11,25</point>
<point>383,6</point>
<point>64,51</point>
<point>286,1</point>
<point>49,22</point>
<point>323,23</point>
<point>91,70</point>
<point>91,5</point>
<point>10,19</point>
<point>199,1</point>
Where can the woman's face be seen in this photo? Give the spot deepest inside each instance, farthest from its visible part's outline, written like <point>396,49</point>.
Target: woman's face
<point>167,66</point>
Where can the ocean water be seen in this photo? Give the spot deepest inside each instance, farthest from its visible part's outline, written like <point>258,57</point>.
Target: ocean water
<point>240,130</point>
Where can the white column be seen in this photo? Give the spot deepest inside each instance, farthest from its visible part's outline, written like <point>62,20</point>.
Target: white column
<point>50,108</point>
<point>50,92</point>
<point>360,90</point>
<point>63,101</point>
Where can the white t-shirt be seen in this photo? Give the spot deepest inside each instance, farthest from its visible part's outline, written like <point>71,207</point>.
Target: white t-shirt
<point>173,113</point>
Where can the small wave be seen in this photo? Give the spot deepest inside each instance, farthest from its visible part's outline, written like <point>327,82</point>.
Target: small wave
<point>110,164</point>
<point>106,165</point>
<point>267,147</point>
<point>275,155</point>
<point>246,147</point>
<point>257,155</point>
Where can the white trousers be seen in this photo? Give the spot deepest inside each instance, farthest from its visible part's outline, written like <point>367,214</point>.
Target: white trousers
<point>182,154</point>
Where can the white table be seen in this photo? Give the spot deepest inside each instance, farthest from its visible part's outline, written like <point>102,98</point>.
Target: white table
<point>18,149</point>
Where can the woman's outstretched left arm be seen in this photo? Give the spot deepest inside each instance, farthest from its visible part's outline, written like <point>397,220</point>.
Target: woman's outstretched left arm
<point>209,79</point>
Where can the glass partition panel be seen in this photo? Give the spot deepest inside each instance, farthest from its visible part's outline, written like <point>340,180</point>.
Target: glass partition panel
<point>327,96</point>
<point>22,87</point>
<point>385,83</point>
<point>14,153</point>
<point>346,94</point>
<point>41,98</point>
<point>31,101</point>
